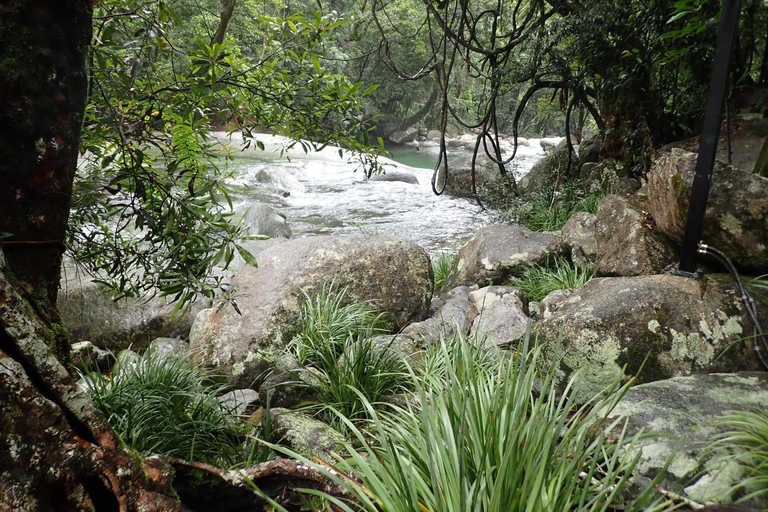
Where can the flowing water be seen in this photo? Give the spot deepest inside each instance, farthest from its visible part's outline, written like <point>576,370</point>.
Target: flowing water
<point>322,194</point>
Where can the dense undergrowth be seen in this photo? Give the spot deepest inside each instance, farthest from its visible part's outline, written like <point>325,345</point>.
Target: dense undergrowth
<point>473,429</point>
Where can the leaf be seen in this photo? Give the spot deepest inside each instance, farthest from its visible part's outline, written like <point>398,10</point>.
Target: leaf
<point>246,255</point>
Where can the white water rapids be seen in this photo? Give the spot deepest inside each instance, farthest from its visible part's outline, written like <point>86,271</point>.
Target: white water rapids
<point>321,194</point>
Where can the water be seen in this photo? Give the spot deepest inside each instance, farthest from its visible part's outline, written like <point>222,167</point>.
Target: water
<point>322,194</point>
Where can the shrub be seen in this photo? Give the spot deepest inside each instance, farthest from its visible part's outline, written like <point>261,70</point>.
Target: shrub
<point>491,438</point>
<point>538,281</point>
<point>165,406</point>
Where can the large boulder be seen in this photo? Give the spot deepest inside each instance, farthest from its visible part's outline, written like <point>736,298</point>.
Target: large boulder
<point>682,433</point>
<point>395,175</point>
<point>579,236</point>
<point>91,314</point>
<point>736,220</point>
<point>459,183</point>
<point>610,176</point>
<point>627,242</point>
<point>392,273</point>
<point>653,326</point>
<point>279,180</point>
<point>496,253</point>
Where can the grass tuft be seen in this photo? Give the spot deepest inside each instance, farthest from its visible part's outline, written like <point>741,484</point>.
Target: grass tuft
<point>441,267</point>
<point>490,437</point>
<point>166,406</point>
<point>745,443</point>
<point>539,281</point>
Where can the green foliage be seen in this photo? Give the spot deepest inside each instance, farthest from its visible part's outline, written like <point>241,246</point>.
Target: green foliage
<point>166,406</point>
<point>441,267</point>
<point>327,321</point>
<point>490,438</point>
<point>560,274</point>
<point>758,287</point>
<point>342,361</point>
<point>745,444</point>
<point>151,211</point>
<point>544,211</point>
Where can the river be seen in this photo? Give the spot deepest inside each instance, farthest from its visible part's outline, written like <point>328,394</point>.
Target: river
<point>321,193</point>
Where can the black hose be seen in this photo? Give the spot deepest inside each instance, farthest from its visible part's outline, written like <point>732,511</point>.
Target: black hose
<point>761,344</point>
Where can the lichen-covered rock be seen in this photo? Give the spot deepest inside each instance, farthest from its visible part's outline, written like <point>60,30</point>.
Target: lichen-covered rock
<point>609,176</point>
<point>262,219</point>
<point>501,314</point>
<point>305,434</point>
<point>392,273</point>
<point>655,408</point>
<point>287,383</point>
<point>498,252</point>
<point>626,242</point>
<point>579,236</point>
<point>450,320</point>
<point>736,220</point>
<point>239,401</point>
<point>657,326</point>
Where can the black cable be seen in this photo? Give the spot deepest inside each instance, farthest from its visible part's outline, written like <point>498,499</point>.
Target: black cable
<point>761,344</point>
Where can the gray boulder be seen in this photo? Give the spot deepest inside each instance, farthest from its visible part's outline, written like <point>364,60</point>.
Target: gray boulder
<point>579,236</point>
<point>684,432</point>
<point>736,220</point>
<point>392,273</point>
<point>87,357</point>
<point>262,219</point>
<point>450,320</point>
<point>501,314</point>
<point>487,175</point>
<point>392,175</point>
<point>90,314</point>
<point>627,242</point>
<point>658,326</point>
<point>286,384</point>
<point>496,253</point>
<point>239,402</point>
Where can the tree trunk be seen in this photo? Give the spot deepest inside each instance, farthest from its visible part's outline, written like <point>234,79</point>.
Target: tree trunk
<point>57,451</point>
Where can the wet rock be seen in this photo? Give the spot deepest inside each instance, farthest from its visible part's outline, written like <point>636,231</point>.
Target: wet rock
<point>279,180</point>
<point>627,243</point>
<point>579,236</point>
<point>304,434</point>
<point>736,220</point>
<point>496,253</point>
<point>459,183</point>
<point>391,175</point>
<point>392,273</point>
<point>664,324</point>
<point>501,315</point>
<point>655,408</point>
<point>262,219</point>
